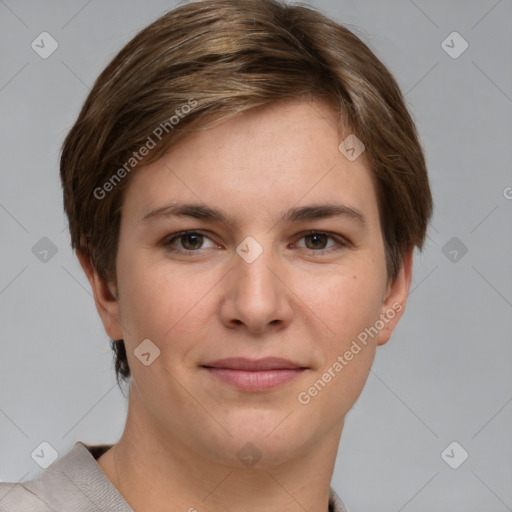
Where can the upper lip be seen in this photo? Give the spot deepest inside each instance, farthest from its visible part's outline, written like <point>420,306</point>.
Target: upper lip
<point>242,363</point>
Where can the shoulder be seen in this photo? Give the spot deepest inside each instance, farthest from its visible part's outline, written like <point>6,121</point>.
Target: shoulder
<point>73,482</point>
<point>16,498</point>
<point>335,503</point>
<point>44,493</point>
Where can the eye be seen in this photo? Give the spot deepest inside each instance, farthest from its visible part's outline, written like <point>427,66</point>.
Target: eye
<point>317,241</point>
<point>190,241</point>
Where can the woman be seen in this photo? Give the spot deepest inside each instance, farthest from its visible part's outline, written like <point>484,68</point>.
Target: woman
<point>245,189</point>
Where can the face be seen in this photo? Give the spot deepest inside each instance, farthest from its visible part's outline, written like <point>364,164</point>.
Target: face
<point>281,256</point>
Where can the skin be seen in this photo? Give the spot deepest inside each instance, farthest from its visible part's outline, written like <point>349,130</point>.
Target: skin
<point>184,426</point>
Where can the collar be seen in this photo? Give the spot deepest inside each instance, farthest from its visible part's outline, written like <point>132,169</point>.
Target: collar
<point>76,479</point>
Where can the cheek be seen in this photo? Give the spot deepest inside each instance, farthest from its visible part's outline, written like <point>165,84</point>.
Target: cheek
<point>348,302</point>
<point>159,302</point>
<point>347,299</point>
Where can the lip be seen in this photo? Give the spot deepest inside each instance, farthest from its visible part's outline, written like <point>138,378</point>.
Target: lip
<point>254,375</point>
<point>252,365</point>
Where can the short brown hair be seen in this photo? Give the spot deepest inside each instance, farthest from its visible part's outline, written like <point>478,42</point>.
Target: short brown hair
<point>223,57</point>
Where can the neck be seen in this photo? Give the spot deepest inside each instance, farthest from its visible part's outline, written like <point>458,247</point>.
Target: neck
<point>155,471</point>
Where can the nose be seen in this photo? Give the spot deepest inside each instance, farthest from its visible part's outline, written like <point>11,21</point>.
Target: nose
<point>256,297</point>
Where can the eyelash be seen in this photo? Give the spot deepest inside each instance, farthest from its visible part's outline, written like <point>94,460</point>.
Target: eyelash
<point>342,243</point>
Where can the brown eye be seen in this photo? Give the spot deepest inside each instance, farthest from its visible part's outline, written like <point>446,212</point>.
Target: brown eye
<point>191,241</point>
<point>316,241</point>
<point>188,242</point>
<point>320,242</point>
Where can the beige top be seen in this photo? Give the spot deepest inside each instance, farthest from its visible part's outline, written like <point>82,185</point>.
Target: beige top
<point>75,483</point>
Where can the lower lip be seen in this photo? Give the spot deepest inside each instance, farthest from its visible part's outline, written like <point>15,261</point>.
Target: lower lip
<point>262,380</point>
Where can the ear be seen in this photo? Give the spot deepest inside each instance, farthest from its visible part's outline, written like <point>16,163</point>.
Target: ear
<point>395,299</point>
<point>105,297</point>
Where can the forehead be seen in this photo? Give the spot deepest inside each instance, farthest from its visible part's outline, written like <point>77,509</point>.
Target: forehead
<point>260,163</point>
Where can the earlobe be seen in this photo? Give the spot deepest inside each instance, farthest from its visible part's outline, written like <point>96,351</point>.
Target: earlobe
<point>105,297</point>
<point>395,299</point>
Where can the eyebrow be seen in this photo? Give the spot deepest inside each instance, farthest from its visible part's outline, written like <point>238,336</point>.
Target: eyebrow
<point>302,213</point>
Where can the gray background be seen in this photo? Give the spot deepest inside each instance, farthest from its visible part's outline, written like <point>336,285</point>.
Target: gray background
<point>445,375</point>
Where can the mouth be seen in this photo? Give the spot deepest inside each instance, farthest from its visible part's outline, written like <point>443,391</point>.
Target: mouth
<point>254,375</point>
